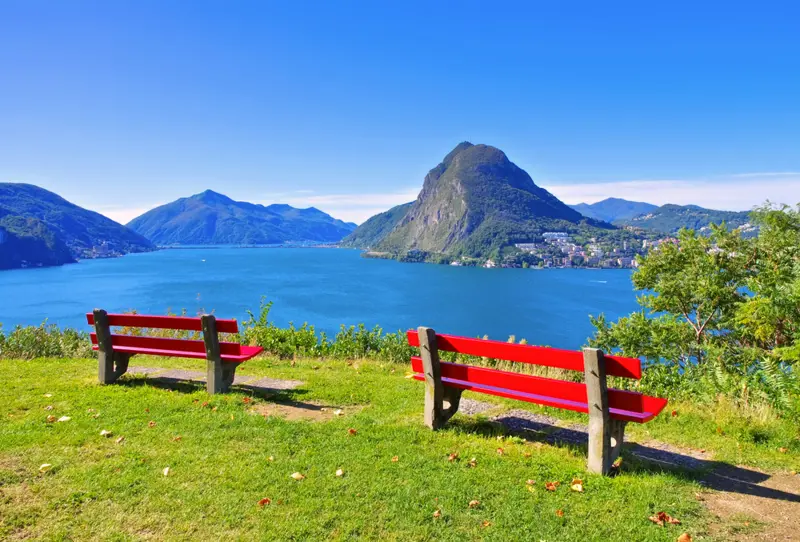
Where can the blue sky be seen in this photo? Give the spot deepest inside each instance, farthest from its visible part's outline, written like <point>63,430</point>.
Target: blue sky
<point>120,106</point>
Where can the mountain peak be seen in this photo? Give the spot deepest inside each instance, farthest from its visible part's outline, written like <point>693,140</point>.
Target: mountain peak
<point>209,196</point>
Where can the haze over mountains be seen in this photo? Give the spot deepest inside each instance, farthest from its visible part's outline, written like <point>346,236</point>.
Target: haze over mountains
<point>475,203</point>
<point>210,218</point>
<point>612,209</point>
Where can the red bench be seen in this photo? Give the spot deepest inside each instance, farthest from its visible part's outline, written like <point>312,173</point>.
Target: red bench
<point>609,409</point>
<point>116,350</point>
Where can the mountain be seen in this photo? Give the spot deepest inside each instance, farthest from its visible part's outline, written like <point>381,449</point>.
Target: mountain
<point>210,218</point>
<point>474,203</point>
<point>612,209</point>
<point>28,242</point>
<point>376,228</point>
<point>670,218</point>
<point>38,224</point>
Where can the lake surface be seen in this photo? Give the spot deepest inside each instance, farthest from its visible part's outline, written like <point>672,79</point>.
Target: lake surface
<point>326,288</point>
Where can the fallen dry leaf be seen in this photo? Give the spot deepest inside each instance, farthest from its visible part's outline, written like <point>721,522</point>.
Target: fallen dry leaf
<point>674,413</point>
<point>297,476</point>
<point>270,458</point>
<point>551,486</point>
<point>165,472</point>
<point>213,409</point>
<point>500,451</point>
<point>395,459</point>
<point>263,502</point>
<point>532,489</point>
<point>247,400</point>
<point>96,416</point>
<point>151,423</point>
<point>452,457</point>
<point>64,419</point>
<point>339,473</point>
<point>530,482</point>
<point>48,395</point>
<point>662,517</point>
<point>106,433</point>
<point>474,504</point>
<point>120,440</point>
<point>472,463</point>
<point>409,375</point>
<point>560,513</point>
<point>49,407</point>
<point>576,485</point>
<point>50,419</point>
<point>45,467</point>
<point>685,537</point>
<point>527,454</point>
<point>437,514</point>
<point>352,432</point>
<point>486,523</point>
<point>783,450</point>
<point>337,412</point>
<point>177,438</point>
<point>205,404</point>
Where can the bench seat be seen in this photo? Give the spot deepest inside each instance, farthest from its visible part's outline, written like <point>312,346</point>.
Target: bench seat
<point>177,348</point>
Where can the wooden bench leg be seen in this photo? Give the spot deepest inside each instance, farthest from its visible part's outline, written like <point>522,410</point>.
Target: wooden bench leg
<point>110,365</point>
<point>435,393</point>
<point>606,434</point>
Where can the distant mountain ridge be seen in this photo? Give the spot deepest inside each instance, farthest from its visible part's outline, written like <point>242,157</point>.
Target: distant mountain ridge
<point>474,203</point>
<point>613,209</point>
<point>671,218</point>
<point>210,218</point>
<point>41,228</point>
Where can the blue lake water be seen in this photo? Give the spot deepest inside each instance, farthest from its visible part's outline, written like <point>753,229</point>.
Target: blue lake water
<point>326,288</point>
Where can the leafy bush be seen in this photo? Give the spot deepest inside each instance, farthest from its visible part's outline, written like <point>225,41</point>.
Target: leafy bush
<point>349,343</point>
<point>45,340</point>
<point>720,315</point>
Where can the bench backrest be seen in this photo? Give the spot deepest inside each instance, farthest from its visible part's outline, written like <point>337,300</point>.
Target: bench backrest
<point>534,355</point>
<point>165,345</point>
<point>182,323</point>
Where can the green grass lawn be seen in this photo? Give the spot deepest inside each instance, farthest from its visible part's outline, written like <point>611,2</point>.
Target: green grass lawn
<point>220,467</point>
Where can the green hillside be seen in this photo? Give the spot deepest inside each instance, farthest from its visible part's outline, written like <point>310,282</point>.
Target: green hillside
<point>210,218</point>
<point>38,224</point>
<point>671,218</point>
<point>376,228</point>
<point>28,242</point>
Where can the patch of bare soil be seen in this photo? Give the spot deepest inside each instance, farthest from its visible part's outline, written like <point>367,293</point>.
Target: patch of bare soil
<point>766,508</point>
<point>295,410</point>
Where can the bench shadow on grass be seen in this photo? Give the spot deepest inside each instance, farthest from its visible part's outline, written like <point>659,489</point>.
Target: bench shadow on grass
<point>638,458</point>
<point>191,385</point>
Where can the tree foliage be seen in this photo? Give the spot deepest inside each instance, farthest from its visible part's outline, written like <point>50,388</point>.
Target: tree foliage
<point>720,313</point>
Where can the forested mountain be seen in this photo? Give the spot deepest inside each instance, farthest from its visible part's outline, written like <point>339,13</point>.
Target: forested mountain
<point>376,228</point>
<point>612,209</point>
<point>474,203</point>
<point>210,218</point>
<point>38,225</point>
<point>671,218</point>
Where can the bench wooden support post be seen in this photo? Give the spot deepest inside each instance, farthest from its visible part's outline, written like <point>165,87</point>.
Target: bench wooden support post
<point>436,395</point>
<point>110,365</point>
<point>606,435</point>
<point>219,375</point>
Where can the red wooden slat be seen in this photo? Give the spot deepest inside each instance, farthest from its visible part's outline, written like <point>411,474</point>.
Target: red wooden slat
<point>623,415</point>
<point>158,343</point>
<point>546,391</point>
<point>164,322</point>
<point>535,355</point>
<point>154,346</point>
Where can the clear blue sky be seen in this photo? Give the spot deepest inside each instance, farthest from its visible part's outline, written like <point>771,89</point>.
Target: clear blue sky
<point>122,105</point>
